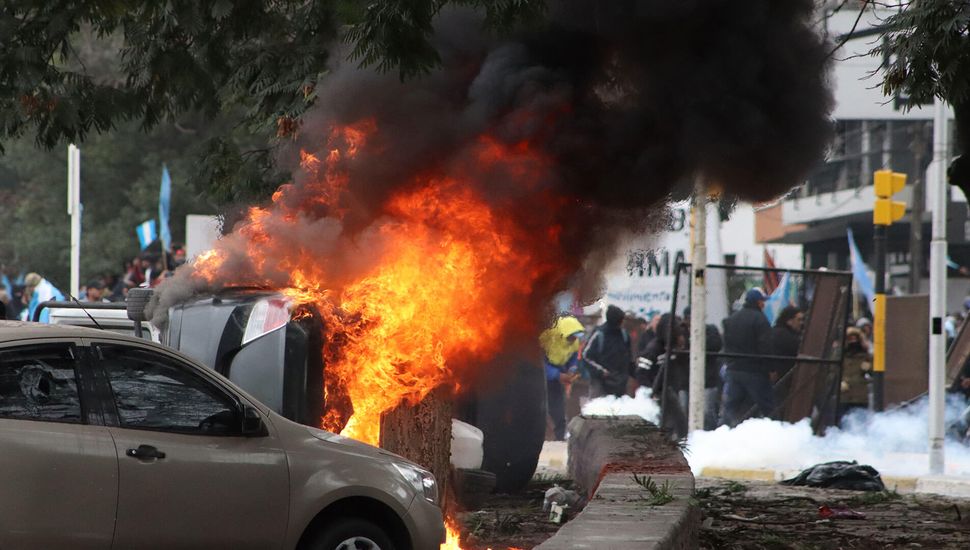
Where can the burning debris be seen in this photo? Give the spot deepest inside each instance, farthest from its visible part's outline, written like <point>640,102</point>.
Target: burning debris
<point>431,221</point>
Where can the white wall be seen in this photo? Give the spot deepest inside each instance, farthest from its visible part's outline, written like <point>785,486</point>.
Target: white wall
<point>856,77</point>
<point>653,291</point>
<point>201,233</point>
<point>737,237</point>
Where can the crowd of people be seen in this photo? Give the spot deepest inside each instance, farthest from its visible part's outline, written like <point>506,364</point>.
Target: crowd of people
<point>21,294</point>
<point>747,372</point>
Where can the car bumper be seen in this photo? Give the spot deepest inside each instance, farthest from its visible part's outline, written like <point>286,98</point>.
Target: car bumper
<point>426,525</point>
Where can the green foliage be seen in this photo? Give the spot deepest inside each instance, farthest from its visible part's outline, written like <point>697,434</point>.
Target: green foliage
<point>658,495</point>
<point>70,68</point>
<point>211,88</point>
<point>734,488</point>
<point>175,57</point>
<point>397,35</point>
<point>928,48</point>
<point>120,179</point>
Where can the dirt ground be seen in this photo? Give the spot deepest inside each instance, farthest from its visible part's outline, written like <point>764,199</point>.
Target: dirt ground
<point>511,520</point>
<point>763,515</point>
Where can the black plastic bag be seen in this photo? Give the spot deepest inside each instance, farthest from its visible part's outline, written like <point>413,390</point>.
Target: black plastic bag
<point>839,474</point>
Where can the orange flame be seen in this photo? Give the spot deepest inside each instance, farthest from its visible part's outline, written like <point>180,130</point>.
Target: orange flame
<point>452,537</point>
<point>436,295</point>
<point>447,270</point>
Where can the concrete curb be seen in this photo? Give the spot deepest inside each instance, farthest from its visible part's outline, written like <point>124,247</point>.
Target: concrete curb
<point>604,455</point>
<point>951,486</point>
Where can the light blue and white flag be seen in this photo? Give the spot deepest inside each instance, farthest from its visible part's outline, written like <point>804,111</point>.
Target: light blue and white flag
<point>146,234</point>
<point>164,205</point>
<point>780,298</point>
<point>860,271</point>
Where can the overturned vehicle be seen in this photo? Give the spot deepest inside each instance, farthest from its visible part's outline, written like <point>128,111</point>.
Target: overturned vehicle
<point>275,352</point>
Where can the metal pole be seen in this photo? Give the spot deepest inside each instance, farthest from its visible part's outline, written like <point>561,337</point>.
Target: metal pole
<point>74,210</point>
<point>916,212</point>
<point>879,318</point>
<point>937,351</point>
<point>698,311</point>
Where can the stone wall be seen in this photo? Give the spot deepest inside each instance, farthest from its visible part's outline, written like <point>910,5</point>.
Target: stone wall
<point>604,455</point>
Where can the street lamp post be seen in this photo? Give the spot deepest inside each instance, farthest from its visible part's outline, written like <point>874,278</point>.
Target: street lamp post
<point>937,341</point>
<point>698,311</point>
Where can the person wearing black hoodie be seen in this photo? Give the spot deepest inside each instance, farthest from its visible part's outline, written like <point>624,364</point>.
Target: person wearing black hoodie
<point>748,332</point>
<point>608,356</point>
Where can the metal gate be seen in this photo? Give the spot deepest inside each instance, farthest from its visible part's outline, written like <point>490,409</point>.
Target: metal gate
<point>810,383</point>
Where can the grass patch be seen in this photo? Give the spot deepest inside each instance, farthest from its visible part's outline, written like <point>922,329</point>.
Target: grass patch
<point>734,488</point>
<point>704,493</point>
<point>507,524</point>
<point>874,497</point>
<point>658,494</point>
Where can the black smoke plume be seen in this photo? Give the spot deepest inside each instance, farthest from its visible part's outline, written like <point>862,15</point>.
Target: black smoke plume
<point>631,101</point>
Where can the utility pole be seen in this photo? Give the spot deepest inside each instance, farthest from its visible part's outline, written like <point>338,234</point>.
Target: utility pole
<point>916,212</point>
<point>885,211</point>
<point>74,210</point>
<point>937,376</point>
<point>698,310</point>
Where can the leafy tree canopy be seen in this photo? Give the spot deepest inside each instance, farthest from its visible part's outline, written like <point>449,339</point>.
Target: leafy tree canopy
<point>257,60</point>
<point>928,49</point>
<point>927,45</point>
<point>209,88</point>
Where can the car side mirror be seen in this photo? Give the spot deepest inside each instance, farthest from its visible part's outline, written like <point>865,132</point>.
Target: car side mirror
<point>252,423</point>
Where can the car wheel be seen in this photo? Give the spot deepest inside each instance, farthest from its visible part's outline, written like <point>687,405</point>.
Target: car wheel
<point>351,534</point>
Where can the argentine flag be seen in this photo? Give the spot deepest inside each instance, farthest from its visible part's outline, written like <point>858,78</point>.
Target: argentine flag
<point>780,298</point>
<point>860,271</point>
<point>146,234</point>
<point>164,206</point>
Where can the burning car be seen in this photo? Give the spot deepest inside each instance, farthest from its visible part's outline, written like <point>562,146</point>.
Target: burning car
<point>257,339</point>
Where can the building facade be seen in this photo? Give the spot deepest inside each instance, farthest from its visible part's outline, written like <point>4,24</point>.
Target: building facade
<point>872,132</point>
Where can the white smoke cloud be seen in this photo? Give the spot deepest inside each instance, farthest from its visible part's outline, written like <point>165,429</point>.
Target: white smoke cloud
<point>642,405</point>
<point>894,442</point>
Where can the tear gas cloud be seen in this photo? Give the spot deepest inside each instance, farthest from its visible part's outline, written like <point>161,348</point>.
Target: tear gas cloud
<point>642,405</point>
<point>893,442</point>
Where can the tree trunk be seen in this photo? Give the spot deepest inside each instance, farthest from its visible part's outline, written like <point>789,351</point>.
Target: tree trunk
<point>422,434</point>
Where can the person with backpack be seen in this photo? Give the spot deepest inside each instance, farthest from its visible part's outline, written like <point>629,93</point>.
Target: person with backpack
<point>608,356</point>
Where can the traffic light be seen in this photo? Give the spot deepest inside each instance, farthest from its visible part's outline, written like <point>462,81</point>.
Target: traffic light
<point>887,183</point>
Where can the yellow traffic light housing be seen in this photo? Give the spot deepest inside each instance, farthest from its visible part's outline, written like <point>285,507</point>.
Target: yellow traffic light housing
<point>886,211</point>
<point>887,183</point>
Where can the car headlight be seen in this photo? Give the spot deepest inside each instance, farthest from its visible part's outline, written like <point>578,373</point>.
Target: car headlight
<point>422,480</point>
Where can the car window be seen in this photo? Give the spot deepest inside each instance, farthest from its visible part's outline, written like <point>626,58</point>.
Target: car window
<point>152,391</point>
<point>39,383</point>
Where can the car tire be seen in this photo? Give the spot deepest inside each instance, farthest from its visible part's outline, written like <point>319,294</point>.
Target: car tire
<point>136,301</point>
<point>513,420</point>
<point>341,533</point>
<point>473,486</point>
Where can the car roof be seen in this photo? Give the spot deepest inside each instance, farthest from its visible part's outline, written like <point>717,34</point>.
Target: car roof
<point>11,331</point>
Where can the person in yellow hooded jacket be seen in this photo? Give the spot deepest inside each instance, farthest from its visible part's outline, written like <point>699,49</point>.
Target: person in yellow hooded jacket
<point>560,344</point>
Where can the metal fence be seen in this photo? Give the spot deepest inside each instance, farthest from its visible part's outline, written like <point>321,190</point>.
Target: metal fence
<point>804,385</point>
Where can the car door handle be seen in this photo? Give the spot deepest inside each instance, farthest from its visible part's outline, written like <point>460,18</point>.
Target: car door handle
<point>145,451</point>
